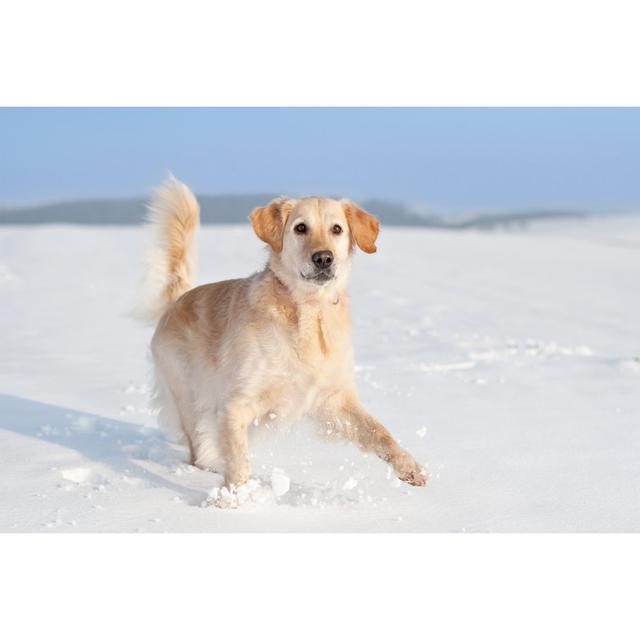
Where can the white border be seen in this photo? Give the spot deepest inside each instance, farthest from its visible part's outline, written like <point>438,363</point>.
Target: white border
<point>559,52</point>
<point>319,586</point>
<point>338,52</point>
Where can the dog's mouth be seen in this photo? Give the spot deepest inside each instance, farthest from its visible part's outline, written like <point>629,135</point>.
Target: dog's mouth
<point>319,278</point>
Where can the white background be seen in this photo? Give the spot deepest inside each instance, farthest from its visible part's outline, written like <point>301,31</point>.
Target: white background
<point>338,53</point>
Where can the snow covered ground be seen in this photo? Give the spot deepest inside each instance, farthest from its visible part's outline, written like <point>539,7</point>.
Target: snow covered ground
<point>508,362</point>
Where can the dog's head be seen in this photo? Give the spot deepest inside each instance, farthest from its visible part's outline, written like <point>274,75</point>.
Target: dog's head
<point>312,239</point>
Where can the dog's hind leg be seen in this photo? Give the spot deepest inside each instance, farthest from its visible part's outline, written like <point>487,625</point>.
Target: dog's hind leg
<point>172,417</point>
<point>186,431</point>
<point>207,455</point>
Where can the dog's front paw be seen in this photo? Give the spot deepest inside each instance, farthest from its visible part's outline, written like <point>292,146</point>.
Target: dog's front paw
<point>222,498</point>
<point>408,470</point>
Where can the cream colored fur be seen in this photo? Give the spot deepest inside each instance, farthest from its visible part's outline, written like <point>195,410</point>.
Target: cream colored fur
<point>173,217</point>
<point>231,355</point>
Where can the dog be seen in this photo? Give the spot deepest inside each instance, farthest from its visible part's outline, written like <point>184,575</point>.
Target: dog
<point>274,347</point>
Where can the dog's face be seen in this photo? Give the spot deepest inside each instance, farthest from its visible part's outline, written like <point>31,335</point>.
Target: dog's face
<point>315,242</point>
<point>312,239</point>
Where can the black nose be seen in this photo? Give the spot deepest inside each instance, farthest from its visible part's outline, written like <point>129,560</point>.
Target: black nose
<point>322,259</point>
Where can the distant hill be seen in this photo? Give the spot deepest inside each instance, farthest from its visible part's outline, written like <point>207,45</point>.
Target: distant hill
<point>215,210</point>
<point>221,209</point>
<point>234,209</point>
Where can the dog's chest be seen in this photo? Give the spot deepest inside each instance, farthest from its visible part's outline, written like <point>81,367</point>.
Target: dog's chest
<point>304,357</point>
<point>314,349</point>
<point>322,340</point>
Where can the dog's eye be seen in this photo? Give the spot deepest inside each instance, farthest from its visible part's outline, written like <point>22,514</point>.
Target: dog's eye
<point>337,229</point>
<point>301,228</point>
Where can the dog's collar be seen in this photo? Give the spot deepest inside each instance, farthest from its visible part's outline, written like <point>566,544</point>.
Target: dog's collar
<point>275,277</point>
<point>286,288</point>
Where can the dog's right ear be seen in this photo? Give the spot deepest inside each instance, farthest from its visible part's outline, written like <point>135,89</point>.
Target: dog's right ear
<point>268,222</point>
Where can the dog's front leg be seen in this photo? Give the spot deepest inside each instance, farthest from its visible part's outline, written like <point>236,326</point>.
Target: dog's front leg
<point>234,423</point>
<point>345,414</point>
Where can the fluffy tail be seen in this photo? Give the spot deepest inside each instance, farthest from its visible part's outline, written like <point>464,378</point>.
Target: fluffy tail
<point>173,217</point>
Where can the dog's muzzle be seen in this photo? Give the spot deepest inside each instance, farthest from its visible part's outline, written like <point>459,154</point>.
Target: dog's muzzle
<point>323,268</point>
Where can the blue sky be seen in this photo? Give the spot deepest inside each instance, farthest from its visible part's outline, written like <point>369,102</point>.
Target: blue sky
<point>440,158</point>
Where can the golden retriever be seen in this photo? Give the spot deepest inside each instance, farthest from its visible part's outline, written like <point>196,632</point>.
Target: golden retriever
<point>273,347</point>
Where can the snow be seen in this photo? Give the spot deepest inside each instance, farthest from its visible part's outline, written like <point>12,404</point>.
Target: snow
<point>280,482</point>
<point>79,475</point>
<point>508,362</point>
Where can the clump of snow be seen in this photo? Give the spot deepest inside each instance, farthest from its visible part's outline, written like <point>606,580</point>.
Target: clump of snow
<point>251,491</point>
<point>222,498</point>
<point>280,482</point>
<point>351,483</point>
<point>140,389</point>
<point>439,367</point>
<point>79,475</point>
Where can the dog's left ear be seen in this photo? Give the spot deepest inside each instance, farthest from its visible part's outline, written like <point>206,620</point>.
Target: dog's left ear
<point>363,226</point>
<point>268,222</point>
